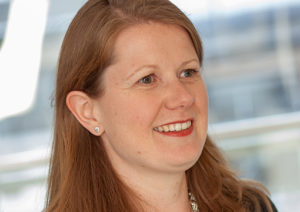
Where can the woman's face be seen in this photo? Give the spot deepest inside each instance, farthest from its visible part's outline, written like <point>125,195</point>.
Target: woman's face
<point>154,108</point>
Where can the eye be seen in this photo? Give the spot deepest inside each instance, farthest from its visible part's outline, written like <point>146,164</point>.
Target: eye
<point>188,73</point>
<point>147,79</point>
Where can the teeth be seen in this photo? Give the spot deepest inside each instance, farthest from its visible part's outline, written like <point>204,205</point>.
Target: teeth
<point>178,127</point>
<point>184,126</point>
<point>189,123</point>
<point>171,127</point>
<point>174,127</point>
<point>166,128</point>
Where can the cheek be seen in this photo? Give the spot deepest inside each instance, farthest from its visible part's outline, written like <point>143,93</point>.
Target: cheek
<point>201,103</point>
<point>132,111</point>
<point>146,107</point>
<point>128,121</point>
<point>201,99</point>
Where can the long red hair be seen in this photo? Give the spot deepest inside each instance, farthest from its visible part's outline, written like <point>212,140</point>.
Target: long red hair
<point>81,177</point>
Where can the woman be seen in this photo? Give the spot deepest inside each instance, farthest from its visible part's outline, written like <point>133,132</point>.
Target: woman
<point>131,117</point>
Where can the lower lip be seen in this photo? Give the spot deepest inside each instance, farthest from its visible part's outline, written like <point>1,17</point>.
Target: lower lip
<point>182,133</point>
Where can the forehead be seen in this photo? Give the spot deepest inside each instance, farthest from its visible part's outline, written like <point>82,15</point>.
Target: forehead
<point>149,39</point>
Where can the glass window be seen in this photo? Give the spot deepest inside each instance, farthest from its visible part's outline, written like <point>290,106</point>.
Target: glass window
<point>251,68</point>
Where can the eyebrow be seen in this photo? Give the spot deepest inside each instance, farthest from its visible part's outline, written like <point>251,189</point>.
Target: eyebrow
<point>155,66</point>
<point>189,61</point>
<point>142,67</point>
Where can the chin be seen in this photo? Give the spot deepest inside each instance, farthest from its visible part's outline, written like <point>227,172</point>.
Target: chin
<point>183,161</point>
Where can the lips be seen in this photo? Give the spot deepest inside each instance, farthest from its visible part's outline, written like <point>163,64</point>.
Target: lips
<point>178,128</point>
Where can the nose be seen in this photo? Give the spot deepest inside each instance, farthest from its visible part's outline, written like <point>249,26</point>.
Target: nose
<point>178,96</point>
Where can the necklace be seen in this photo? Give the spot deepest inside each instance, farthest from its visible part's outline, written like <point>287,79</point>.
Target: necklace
<point>193,202</point>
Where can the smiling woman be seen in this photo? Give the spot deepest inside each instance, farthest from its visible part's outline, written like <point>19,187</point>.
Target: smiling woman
<point>138,100</point>
<point>131,117</point>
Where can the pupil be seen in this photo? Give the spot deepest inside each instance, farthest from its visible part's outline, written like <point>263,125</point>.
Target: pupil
<point>147,79</point>
<point>187,74</point>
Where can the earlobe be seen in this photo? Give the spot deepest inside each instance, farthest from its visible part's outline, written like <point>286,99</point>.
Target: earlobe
<point>82,107</point>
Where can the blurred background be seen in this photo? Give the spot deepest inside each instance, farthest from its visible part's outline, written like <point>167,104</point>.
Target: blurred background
<point>251,68</point>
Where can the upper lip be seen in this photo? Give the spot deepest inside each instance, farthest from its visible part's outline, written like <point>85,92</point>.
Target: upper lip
<point>176,122</point>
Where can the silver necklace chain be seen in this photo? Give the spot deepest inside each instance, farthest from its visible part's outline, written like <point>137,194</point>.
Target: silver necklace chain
<point>193,202</point>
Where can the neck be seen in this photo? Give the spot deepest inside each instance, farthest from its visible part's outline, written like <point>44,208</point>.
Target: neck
<point>160,192</point>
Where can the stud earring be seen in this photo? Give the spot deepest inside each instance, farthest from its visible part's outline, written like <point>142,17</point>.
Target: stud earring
<point>97,130</point>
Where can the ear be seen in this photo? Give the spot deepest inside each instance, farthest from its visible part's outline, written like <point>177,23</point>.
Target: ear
<point>82,107</point>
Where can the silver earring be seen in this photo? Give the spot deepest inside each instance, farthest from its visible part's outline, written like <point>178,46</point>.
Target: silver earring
<point>97,129</point>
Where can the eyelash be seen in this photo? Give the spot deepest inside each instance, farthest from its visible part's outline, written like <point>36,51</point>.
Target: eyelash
<point>150,75</point>
<point>153,77</point>
<point>192,71</point>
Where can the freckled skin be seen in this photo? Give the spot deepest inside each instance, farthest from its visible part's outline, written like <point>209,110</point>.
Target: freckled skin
<point>129,110</point>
